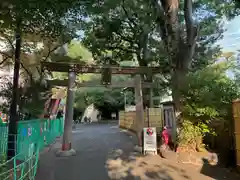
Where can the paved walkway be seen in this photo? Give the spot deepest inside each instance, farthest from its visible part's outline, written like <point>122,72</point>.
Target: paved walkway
<point>104,152</point>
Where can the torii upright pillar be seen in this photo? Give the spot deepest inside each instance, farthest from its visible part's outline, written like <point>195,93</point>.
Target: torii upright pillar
<point>139,109</point>
<point>67,135</point>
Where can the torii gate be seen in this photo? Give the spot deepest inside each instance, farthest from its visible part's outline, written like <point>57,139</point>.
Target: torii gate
<point>106,71</point>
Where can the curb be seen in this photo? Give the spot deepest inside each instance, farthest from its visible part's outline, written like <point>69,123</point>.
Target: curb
<point>131,133</point>
<point>106,122</point>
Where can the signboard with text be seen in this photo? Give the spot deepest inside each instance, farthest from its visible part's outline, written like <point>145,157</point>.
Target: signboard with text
<point>149,140</point>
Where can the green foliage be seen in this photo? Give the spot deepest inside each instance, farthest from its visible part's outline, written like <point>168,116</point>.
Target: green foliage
<point>200,112</point>
<point>139,30</point>
<point>100,96</point>
<point>112,99</point>
<point>189,133</point>
<point>118,27</point>
<point>127,27</point>
<point>210,92</point>
<point>6,95</point>
<point>45,18</point>
<point>76,53</point>
<point>46,23</point>
<point>32,99</point>
<point>237,4</point>
<point>77,50</point>
<point>207,103</point>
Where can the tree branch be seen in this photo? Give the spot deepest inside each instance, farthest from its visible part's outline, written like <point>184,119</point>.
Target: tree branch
<point>49,53</point>
<point>171,8</point>
<point>127,39</point>
<point>27,71</point>
<point>4,60</point>
<point>144,43</point>
<point>6,55</point>
<point>55,48</point>
<point>192,30</point>
<point>120,48</point>
<point>160,20</point>
<point>11,57</point>
<point>8,39</point>
<point>130,19</point>
<point>189,20</point>
<point>38,70</point>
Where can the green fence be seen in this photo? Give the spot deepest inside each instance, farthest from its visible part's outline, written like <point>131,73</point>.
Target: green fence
<point>20,170</point>
<point>3,138</point>
<point>32,137</point>
<point>40,131</point>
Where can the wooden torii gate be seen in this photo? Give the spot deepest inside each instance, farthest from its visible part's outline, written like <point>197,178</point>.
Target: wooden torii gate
<point>78,68</point>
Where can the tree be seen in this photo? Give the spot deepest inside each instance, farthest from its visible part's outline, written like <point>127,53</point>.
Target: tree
<point>180,37</point>
<point>207,108</point>
<point>75,52</point>
<point>26,18</point>
<point>31,101</point>
<point>112,31</point>
<point>111,99</point>
<point>211,87</point>
<point>105,100</point>
<point>160,31</point>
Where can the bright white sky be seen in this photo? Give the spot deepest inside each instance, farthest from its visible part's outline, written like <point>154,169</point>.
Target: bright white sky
<point>231,39</point>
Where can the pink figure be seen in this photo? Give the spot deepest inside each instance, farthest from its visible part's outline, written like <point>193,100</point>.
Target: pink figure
<point>165,135</point>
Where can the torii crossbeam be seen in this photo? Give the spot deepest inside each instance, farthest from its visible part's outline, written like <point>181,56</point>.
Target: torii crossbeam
<point>79,68</point>
<point>123,84</point>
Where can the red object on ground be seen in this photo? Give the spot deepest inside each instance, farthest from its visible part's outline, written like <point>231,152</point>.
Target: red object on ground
<point>165,136</point>
<point>66,147</point>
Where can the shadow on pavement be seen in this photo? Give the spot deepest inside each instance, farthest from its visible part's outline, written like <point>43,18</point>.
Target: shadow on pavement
<point>135,167</point>
<point>132,166</point>
<point>216,172</point>
<point>105,152</point>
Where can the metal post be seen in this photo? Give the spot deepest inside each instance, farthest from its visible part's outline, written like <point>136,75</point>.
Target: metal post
<point>66,145</point>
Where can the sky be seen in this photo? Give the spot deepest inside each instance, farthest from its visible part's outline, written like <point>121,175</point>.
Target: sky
<point>231,39</point>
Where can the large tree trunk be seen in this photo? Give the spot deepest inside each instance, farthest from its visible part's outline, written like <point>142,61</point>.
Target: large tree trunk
<point>178,83</point>
<point>180,49</point>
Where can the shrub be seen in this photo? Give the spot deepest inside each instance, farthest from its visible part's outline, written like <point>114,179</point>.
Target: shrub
<point>191,134</point>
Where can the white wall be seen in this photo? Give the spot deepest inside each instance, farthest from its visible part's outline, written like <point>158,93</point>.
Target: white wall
<point>91,112</point>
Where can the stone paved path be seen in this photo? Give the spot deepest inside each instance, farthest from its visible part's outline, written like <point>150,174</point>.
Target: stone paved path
<point>105,152</point>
